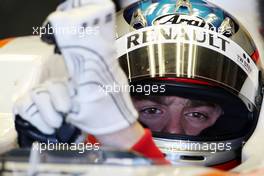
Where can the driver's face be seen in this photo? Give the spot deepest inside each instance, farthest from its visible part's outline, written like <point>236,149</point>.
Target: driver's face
<point>176,115</point>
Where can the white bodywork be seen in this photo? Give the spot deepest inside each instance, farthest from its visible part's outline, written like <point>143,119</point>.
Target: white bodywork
<point>23,60</point>
<point>103,170</point>
<point>23,64</point>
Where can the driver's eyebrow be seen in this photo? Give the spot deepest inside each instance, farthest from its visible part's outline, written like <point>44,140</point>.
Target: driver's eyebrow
<point>156,99</point>
<point>199,103</point>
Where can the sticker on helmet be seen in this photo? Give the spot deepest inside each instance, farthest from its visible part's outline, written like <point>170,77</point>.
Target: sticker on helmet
<point>182,19</point>
<point>192,35</point>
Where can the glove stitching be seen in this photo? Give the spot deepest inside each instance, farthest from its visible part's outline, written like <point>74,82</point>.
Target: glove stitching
<point>111,95</point>
<point>29,107</point>
<point>34,113</point>
<point>104,63</point>
<point>104,81</point>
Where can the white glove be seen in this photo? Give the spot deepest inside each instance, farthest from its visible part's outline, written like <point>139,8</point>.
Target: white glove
<point>45,105</point>
<point>92,65</point>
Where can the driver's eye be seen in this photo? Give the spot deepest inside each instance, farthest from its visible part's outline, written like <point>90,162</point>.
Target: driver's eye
<point>197,116</point>
<point>151,111</point>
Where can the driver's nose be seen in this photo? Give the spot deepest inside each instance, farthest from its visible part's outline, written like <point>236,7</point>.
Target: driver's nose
<point>174,125</point>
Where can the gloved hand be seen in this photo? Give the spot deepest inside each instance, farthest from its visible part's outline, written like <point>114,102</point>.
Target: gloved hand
<point>39,115</point>
<point>45,106</point>
<point>92,65</point>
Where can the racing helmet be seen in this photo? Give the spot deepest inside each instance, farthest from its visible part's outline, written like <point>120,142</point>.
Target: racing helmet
<point>194,51</point>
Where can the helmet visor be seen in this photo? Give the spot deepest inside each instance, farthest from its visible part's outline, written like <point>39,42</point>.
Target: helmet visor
<point>189,52</point>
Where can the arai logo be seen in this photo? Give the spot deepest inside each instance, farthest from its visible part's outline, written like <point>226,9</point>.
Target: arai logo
<point>182,19</point>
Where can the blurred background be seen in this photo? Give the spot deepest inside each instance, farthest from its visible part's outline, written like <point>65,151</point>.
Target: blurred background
<point>17,17</point>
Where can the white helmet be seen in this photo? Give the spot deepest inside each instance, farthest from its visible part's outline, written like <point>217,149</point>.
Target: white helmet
<point>193,50</point>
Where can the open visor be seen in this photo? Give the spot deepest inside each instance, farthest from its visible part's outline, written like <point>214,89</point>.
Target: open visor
<point>224,73</point>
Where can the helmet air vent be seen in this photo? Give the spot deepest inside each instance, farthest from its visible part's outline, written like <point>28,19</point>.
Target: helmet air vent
<point>138,20</point>
<point>192,158</point>
<point>227,27</point>
<point>184,3</point>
